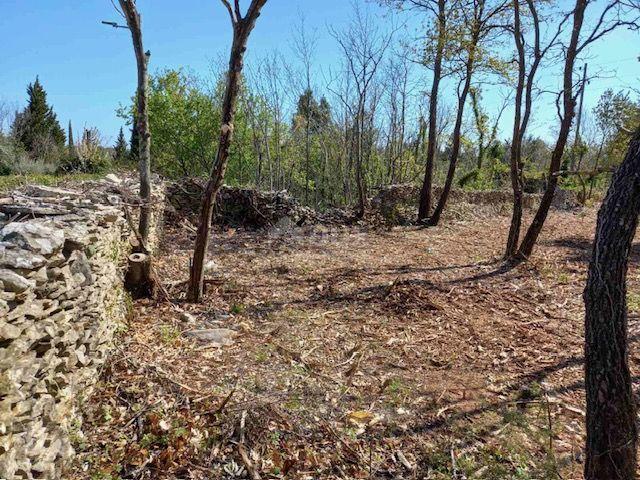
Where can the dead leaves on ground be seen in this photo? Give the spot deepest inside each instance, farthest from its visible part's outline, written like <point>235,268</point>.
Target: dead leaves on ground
<point>363,355</point>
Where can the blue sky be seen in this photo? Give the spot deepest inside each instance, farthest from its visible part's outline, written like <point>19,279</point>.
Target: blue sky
<point>88,69</point>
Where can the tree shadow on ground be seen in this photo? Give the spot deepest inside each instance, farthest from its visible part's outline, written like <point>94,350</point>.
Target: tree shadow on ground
<point>581,248</point>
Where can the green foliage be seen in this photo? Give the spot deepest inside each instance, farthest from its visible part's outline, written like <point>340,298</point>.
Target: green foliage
<point>617,116</point>
<point>183,119</point>
<point>493,175</point>
<point>88,156</point>
<point>316,114</point>
<point>37,127</point>
<point>13,181</point>
<point>134,142</point>
<point>120,151</point>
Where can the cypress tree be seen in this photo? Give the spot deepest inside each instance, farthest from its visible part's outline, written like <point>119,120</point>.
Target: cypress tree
<point>120,148</point>
<point>70,137</point>
<point>37,120</point>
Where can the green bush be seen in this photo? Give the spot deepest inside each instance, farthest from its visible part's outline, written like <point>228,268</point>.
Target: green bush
<point>15,160</point>
<point>88,156</point>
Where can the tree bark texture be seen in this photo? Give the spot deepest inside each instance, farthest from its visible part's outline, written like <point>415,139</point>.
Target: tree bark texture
<point>134,23</point>
<point>611,409</point>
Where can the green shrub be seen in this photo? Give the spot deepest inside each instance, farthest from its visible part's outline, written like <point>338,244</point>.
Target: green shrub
<point>15,160</point>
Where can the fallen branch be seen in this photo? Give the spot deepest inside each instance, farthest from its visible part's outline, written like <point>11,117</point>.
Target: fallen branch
<point>253,473</point>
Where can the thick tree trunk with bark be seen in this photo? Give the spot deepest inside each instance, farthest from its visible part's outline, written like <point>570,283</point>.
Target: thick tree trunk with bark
<point>424,207</point>
<point>242,28</point>
<point>134,23</point>
<point>611,409</point>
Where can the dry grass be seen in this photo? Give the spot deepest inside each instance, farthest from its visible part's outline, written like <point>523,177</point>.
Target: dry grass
<point>361,354</point>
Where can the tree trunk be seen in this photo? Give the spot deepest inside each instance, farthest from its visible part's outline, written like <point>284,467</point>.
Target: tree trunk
<point>424,207</point>
<point>362,200</point>
<point>142,118</point>
<point>477,113</point>
<point>611,410</point>
<point>455,146</point>
<point>516,144</point>
<point>241,29</point>
<point>529,241</point>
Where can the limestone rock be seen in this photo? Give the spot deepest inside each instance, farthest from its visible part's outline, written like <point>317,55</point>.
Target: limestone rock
<point>217,336</point>
<point>187,317</point>
<point>20,258</point>
<point>8,331</point>
<point>210,267</point>
<point>44,191</point>
<point>113,178</point>
<point>13,282</point>
<point>37,237</point>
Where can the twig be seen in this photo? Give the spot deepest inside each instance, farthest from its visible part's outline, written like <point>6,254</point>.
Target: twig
<point>223,404</point>
<point>253,473</point>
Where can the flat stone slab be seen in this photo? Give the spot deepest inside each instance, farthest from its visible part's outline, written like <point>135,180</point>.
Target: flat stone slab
<point>220,337</point>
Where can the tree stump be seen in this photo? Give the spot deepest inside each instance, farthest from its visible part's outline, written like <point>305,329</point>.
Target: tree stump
<point>138,277</point>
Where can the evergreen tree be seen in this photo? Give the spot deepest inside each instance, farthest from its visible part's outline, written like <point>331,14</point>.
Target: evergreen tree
<point>70,137</point>
<point>134,142</point>
<point>309,110</point>
<point>37,122</point>
<point>120,148</point>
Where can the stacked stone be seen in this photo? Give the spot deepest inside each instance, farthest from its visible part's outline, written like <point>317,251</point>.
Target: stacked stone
<point>398,203</point>
<point>240,207</point>
<point>61,299</point>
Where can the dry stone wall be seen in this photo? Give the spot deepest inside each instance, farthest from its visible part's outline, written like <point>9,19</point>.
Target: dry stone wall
<point>61,300</point>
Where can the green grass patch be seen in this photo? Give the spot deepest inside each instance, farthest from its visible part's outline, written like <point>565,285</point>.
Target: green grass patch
<point>11,182</point>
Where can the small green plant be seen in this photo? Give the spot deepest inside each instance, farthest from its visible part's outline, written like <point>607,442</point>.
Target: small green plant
<point>150,440</point>
<point>293,404</point>
<point>237,308</point>
<point>107,415</point>
<point>275,437</point>
<point>104,476</point>
<point>169,333</point>
<point>532,391</point>
<point>262,355</point>
<point>514,416</point>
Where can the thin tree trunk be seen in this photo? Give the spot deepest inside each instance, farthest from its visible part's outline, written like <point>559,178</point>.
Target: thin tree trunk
<point>242,28</point>
<point>359,160</point>
<point>529,241</point>
<point>595,168</point>
<point>516,145</point>
<point>134,23</point>
<point>424,207</point>
<point>455,146</point>
<point>611,410</point>
<point>475,104</point>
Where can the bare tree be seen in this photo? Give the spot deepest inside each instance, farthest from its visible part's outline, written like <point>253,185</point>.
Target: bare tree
<point>438,41</point>
<point>268,81</point>
<point>242,27</point>
<point>304,47</point>
<point>364,46</point>
<point>479,24</point>
<point>528,67</point>
<point>134,22</point>
<point>611,410</point>
<point>397,80</point>
<point>424,207</point>
<point>613,15</point>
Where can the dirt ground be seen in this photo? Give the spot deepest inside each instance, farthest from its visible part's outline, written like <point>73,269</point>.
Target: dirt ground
<point>404,354</point>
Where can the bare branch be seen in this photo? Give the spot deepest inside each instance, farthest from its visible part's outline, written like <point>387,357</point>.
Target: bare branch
<point>232,15</point>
